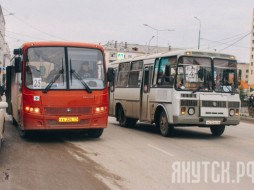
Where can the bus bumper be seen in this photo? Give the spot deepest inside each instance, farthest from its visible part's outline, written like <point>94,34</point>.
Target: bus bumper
<point>204,121</point>
<point>34,122</point>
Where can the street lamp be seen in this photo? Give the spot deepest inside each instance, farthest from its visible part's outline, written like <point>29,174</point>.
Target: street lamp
<point>157,32</point>
<point>199,31</point>
<point>149,44</point>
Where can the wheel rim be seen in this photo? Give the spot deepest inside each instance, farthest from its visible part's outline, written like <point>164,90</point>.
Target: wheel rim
<point>163,122</point>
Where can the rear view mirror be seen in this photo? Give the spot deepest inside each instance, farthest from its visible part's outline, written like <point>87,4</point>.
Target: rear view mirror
<point>17,64</point>
<point>42,71</point>
<point>110,74</point>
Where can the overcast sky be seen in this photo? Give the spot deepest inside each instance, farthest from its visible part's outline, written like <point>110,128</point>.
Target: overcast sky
<point>223,22</point>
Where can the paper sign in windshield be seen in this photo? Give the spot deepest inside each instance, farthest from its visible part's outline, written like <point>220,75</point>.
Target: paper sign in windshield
<point>37,83</point>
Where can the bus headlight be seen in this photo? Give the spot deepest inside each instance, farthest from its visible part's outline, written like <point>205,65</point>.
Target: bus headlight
<point>31,109</point>
<point>191,111</point>
<point>183,110</point>
<point>232,112</point>
<point>237,112</point>
<point>100,109</point>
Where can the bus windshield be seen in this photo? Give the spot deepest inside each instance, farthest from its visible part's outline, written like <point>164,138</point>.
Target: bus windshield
<point>225,75</point>
<point>47,68</point>
<point>194,74</point>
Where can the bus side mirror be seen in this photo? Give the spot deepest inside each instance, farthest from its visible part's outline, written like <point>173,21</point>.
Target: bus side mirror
<point>167,73</point>
<point>110,74</point>
<point>17,64</point>
<point>17,51</point>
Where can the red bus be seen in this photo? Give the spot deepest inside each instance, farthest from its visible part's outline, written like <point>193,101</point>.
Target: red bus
<point>58,86</point>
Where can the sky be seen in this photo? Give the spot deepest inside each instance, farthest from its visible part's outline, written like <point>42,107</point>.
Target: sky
<point>226,25</point>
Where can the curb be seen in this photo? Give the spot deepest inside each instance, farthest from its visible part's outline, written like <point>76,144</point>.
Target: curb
<point>245,118</point>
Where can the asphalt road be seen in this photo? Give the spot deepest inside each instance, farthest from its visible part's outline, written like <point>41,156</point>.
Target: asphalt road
<point>130,158</point>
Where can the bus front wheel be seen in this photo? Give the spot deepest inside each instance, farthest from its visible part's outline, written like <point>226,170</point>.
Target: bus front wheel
<point>125,121</point>
<point>95,133</point>
<point>217,130</point>
<point>166,129</point>
<point>22,133</point>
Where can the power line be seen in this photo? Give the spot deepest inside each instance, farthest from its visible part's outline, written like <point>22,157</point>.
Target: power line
<point>222,43</point>
<point>233,38</point>
<point>35,28</point>
<point>236,41</point>
<point>25,35</point>
<point>14,38</point>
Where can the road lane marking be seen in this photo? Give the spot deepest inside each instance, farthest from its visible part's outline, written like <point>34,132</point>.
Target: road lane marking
<point>161,150</point>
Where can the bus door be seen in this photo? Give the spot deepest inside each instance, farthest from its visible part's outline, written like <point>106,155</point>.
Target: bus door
<point>145,91</point>
<point>112,94</point>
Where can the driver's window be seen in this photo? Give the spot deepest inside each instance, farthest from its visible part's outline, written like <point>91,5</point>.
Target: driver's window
<point>166,63</point>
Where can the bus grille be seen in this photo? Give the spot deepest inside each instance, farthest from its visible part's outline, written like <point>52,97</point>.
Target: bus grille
<point>216,104</point>
<point>233,104</point>
<point>68,111</point>
<point>189,102</point>
<point>188,95</point>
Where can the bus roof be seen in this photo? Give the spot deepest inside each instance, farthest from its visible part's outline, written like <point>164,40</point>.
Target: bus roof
<point>56,44</point>
<point>199,53</point>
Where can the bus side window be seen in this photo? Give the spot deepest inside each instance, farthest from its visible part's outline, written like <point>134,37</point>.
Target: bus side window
<point>135,74</point>
<point>162,79</point>
<point>123,76</point>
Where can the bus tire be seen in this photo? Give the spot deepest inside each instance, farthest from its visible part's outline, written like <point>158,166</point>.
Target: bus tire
<point>165,128</point>
<point>131,122</point>
<point>22,133</point>
<point>217,130</point>
<point>14,122</point>
<point>123,120</point>
<point>95,133</point>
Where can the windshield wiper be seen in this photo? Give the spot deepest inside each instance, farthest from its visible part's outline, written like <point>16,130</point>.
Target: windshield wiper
<point>76,75</point>
<point>56,77</point>
<point>232,91</point>
<point>197,89</point>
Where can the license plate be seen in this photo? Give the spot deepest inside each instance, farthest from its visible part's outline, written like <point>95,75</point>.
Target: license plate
<point>68,119</point>
<point>212,122</point>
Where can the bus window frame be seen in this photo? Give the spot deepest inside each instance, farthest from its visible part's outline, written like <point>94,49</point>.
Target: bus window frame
<point>147,81</point>
<point>235,75</point>
<point>155,73</point>
<point>112,85</point>
<point>138,70</point>
<point>120,71</point>
<point>66,65</point>
<point>174,66</point>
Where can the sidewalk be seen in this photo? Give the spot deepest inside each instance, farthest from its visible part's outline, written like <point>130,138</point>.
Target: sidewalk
<point>245,115</point>
<point>247,118</point>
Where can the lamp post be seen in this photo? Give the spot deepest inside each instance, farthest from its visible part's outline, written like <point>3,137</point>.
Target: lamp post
<point>148,49</point>
<point>199,30</point>
<point>157,32</point>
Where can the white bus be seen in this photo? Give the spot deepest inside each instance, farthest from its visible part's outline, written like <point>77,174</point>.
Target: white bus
<point>178,88</point>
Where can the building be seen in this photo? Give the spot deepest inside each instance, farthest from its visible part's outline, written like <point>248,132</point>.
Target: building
<point>251,66</point>
<point>243,71</point>
<point>116,51</point>
<point>4,49</point>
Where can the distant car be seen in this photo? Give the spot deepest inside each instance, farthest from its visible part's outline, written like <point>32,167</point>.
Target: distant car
<point>3,106</point>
